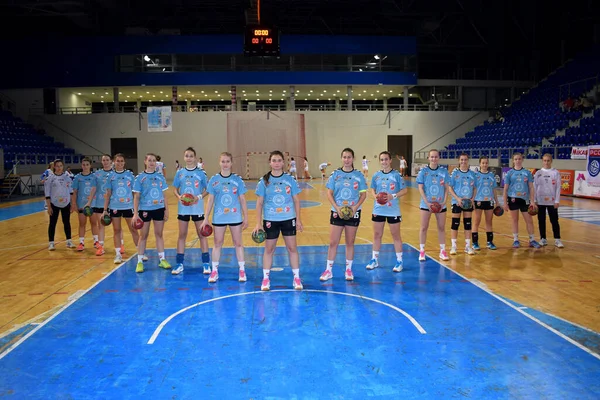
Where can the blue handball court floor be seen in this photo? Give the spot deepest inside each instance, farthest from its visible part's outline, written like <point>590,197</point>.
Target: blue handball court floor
<point>423,333</point>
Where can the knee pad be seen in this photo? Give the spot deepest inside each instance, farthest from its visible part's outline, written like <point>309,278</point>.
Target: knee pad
<point>467,223</point>
<point>455,223</point>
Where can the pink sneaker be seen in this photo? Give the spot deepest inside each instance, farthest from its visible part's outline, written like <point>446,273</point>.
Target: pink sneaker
<point>325,276</point>
<point>214,276</point>
<point>266,285</point>
<point>349,275</point>
<point>242,277</point>
<point>444,255</point>
<point>422,256</point>
<point>298,284</point>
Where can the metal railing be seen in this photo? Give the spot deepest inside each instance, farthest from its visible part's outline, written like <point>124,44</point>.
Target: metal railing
<point>7,104</point>
<point>221,106</point>
<point>588,84</point>
<point>497,153</point>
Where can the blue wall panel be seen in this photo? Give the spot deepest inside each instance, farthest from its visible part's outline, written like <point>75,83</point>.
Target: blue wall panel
<point>71,62</point>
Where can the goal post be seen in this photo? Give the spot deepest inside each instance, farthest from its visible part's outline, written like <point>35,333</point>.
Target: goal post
<point>257,163</point>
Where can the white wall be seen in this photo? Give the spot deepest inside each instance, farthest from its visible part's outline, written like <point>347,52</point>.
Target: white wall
<point>26,99</point>
<point>68,98</point>
<point>327,133</point>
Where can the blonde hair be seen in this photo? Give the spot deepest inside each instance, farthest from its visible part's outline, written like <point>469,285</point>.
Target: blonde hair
<point>226,154</point>
<point>547,155</point>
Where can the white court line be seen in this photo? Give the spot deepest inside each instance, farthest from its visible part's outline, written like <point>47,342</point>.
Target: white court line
<point>551,329</point>
<point>37,328</point>
<point>368,241</point>
<point>170,317</point>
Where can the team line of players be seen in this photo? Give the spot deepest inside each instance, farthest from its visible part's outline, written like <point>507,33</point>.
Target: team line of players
<point>114,191</point>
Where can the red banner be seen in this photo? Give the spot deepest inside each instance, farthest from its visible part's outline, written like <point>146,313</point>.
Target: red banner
<point>567,179</point>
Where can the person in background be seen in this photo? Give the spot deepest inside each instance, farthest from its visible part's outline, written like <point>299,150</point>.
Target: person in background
<point>160,167</point>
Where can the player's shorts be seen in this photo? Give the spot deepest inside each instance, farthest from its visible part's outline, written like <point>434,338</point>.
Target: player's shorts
<point>98,210</point>
<point>152,215</point>
<point>484,205</point>
<point>187,218</point>
<point>335,219</point>
<point>427,209</point>
<point>273,228</point>
<point>390,220</point>
<point>517,203</point>
<point>127,213</point>
<point>456,209</point>
<point>229,224</point>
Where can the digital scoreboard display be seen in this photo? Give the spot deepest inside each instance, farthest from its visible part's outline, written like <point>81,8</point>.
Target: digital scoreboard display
<point>261,40</point>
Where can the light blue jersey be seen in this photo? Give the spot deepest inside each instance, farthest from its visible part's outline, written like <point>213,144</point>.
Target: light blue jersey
<point>518,183</point>
<point>278,204</point>
<point>150,186</point>
<point>434,184</point>
<point>83,184</point>
<point>191,181</point>
<point>485,185</point>
<point>102,183</point>
<point>346,187</point>
<point>463,184</point>
<point>120,184</point>
<point>390,182</point>
<point>226,190</point>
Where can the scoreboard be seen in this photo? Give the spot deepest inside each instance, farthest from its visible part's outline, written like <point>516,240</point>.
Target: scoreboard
<point>260,40</point>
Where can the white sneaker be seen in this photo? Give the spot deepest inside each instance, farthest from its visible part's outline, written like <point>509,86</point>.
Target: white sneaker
<point>559,244</point>
<point>453,251</point>
<point>206,270</point>
<point>70,244</point>
<point>326,275</point>
<point>51,247</point>
<point>422,256</point>
<point>444,256</point>
<point>178,269</point>
<point>372,264</point>
<point>398,267</point>
<point>469,250</point>
<point>214,276</point>
<point>298,284</point>
<point>118,259</point>
<point>266,285</point>
<point>544,242</point>
<point>349,275</point>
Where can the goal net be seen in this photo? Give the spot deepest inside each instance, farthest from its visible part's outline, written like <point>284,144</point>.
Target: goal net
<point>257,164</point>
<point>252,135</point>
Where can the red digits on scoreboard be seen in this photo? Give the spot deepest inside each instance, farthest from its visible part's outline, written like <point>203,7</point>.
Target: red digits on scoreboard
<point>269,40</point>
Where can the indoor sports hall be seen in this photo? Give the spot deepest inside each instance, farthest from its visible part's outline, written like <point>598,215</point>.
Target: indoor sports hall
<point>128,88</point>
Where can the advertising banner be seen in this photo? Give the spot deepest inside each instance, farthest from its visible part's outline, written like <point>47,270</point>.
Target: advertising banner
<point>593,166</point>
<point>159,119</point>
<point>567,179</point>
<point>583,188</point>
<point>579,153</point>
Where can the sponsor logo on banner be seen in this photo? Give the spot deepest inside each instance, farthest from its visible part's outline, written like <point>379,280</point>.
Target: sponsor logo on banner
<point>583,188</point>
<point>567,178</point>
<point>579,153</point>
<point>593,165</point>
